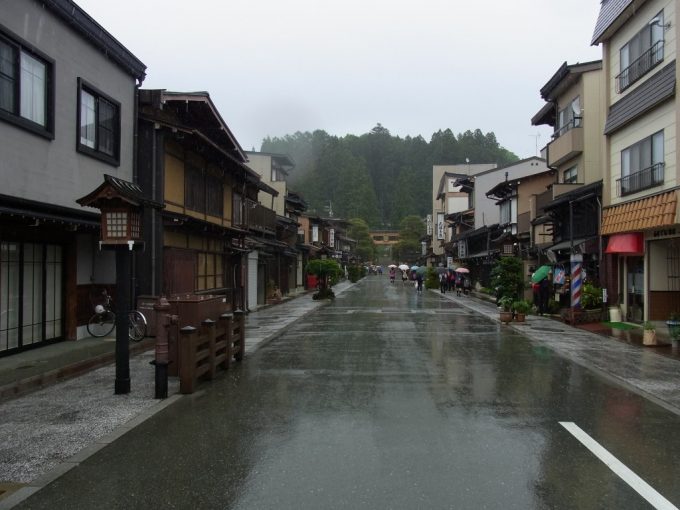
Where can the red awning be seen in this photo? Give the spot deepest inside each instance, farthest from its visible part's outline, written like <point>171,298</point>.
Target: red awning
<point>629,243</point>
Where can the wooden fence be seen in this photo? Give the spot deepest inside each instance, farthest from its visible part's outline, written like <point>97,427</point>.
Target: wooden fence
<point>214,345</point>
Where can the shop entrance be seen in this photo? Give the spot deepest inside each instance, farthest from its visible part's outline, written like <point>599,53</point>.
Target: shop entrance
<point>635,282</point>
<point>31,294</point>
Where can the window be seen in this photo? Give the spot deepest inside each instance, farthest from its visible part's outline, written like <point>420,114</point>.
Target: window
<point>214,195</point>
<point>643,52</point>
<point>209,271</point>
<point>505,212</point>
<point>570,175</point>
<point>203,191</point>
<point>569,117</point>
<point>237,213</point>
<point>99,124</point>
<point>642,165</point>
<point>26,90</point>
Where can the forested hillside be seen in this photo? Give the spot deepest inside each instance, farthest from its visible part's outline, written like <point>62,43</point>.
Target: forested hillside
<point>376,176</point>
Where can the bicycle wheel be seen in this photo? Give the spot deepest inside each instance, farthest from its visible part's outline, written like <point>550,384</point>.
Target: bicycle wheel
<point>137,327</point>
<point>101,324</point>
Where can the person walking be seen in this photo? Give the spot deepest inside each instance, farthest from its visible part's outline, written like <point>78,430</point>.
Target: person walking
<point>393,274</point>
<point>467,285</point>
<point>543,294</point>
<point>419,282</point>
<point>443,282</point>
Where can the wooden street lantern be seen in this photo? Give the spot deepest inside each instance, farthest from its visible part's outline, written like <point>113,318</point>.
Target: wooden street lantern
<point>120,203</point>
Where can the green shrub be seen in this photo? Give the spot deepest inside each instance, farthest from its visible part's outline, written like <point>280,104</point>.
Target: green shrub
<point>521,306</point>
<point>591,297</point>
<point>507,277</point>
<point>505,303</point>
<point>431,279</point>
<point>356,272</point>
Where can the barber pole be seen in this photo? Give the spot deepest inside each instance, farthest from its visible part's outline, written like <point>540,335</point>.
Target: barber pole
<point>576,280</point>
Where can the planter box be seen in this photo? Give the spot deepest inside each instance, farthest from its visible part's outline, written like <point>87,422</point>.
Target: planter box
<point>579,316</point>
<point>674,329</point>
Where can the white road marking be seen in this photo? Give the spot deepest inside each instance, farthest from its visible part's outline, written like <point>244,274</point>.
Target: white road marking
<point>637,483</point>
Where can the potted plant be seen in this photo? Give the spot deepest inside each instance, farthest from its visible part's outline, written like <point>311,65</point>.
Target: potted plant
<point>326,271</point>
<point>521,307</point>
<point>505,305</point>
<point>673,324</point>
<point>648,333</point>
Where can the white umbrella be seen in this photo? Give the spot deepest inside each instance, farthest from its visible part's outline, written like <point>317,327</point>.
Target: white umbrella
<point>403,267</point>
<point>392,266</point>
<point>413,268</point>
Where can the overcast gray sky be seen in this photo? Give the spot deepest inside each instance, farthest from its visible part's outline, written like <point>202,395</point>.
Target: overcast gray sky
<point>273,67</point>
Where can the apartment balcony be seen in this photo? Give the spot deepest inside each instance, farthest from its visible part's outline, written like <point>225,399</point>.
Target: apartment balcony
<point>641,66</point>
<point>567,145</point>
<point>639,181</point>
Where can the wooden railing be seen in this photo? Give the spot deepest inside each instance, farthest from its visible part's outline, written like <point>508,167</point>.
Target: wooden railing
<point>203,350</point>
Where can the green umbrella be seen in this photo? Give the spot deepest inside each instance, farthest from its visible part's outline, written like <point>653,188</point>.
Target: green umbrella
<point>541,273</point>
<point>421,270</point>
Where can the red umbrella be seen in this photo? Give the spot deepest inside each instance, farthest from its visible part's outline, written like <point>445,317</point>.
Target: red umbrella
<point>462,270</point>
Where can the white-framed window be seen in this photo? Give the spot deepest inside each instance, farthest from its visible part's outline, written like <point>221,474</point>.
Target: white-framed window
<point>98,124</point>
<point>570,175</point>
<point>505,212</point>
<point>642,164</point>
<point>641,53</point>
<point>26,86</point>
<point>568,117</point>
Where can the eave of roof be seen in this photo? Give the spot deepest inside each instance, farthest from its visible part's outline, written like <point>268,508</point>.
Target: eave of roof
<point>613,14</point>
<point>76,17</point>
<point>202,97</point>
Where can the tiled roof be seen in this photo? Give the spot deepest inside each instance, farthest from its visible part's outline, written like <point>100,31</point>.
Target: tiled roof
<point>654,91</point>
<point>609,12</point>
<point>651,212</point>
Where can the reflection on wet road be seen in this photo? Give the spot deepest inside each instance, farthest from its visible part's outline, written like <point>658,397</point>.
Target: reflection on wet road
<point>387,399</point>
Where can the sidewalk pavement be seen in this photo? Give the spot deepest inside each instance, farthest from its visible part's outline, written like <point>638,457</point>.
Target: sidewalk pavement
<point>49,431</point>
<point>57,408</point>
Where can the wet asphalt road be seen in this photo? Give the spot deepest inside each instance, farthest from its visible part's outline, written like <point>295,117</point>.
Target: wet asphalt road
<point>387,399</point>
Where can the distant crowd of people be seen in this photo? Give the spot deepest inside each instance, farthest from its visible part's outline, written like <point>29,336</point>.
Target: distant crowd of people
<point>449,280</point>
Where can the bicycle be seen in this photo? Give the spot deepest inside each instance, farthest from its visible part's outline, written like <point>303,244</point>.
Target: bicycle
<point>103,321</point>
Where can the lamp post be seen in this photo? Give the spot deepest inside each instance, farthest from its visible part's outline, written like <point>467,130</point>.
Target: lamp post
<point>120,203</point>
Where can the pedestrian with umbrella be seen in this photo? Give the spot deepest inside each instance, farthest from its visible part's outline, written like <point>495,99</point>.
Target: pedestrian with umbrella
<point>392,272</point>
<point>542,276</point>
<point>461,277</point>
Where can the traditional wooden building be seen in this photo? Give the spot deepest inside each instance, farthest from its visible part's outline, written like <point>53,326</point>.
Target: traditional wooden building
<point>190,161</point>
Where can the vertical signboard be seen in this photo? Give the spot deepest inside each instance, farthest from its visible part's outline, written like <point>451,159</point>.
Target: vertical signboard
<point>315,233</point>
<point>331,238</point>
<point>429,224</point>
<point>440,226</point>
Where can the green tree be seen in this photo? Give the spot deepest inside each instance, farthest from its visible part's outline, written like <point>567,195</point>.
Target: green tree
<point>359,231</point>
<point>412,230</point>
<point>376,176</point>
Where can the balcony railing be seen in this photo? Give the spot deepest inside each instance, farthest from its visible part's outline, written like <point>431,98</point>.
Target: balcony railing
<point>640,67</point>
<point>573,123</point>
<point>642,180</point>
<point>257,217</point>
